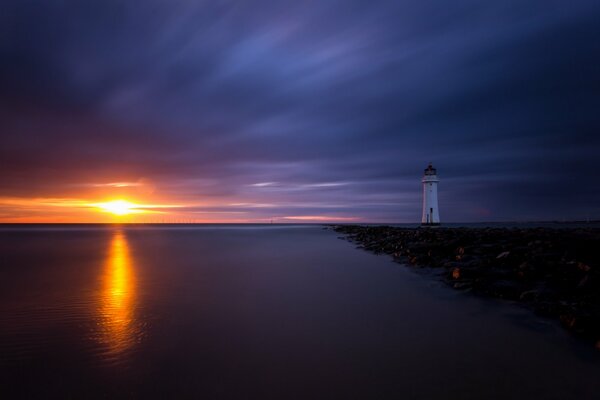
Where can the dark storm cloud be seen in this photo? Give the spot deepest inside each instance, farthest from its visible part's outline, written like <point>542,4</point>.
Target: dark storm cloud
<point>211,98</point>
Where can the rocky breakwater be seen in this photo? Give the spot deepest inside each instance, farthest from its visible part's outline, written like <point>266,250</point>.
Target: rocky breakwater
<point>556,272</point>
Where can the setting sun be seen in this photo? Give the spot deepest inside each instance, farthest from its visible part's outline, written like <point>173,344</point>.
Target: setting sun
<point>118,207</point>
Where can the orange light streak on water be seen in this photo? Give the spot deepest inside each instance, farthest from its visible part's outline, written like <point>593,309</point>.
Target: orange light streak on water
<point>119,328</point>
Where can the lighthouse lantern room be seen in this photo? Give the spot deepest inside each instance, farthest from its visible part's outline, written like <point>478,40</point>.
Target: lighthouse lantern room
<point>431,213</point>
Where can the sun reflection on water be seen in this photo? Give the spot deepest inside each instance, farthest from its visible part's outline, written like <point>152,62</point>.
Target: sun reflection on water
<point>119,328</point>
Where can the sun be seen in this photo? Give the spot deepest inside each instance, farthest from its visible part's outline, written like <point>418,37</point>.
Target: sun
<point>118,207</point>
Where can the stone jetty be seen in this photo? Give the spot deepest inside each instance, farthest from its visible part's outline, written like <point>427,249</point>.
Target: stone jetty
<point>556,272</point>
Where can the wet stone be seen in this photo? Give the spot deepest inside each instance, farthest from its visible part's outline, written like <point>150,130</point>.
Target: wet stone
<point>553,271</point>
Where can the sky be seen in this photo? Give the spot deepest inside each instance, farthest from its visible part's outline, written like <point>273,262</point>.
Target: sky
<point>310,111</point>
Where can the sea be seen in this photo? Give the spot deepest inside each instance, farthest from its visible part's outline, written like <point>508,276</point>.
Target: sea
<point>259,312</point>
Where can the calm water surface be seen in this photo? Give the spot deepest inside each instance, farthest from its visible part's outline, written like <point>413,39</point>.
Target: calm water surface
<point>237,312</point>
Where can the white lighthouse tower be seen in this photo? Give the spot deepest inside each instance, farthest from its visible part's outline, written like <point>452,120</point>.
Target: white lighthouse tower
<point>431,211</point>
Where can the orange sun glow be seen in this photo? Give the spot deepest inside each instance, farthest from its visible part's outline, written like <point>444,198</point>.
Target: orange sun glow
<point>118,207</point>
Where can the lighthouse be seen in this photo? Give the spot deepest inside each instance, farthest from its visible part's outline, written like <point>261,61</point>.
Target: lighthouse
<point>431,212</point>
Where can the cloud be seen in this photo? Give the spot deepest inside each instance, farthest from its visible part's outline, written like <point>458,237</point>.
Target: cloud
<point>305,105</point>
<point>320,218</point>
<point>263,184</point>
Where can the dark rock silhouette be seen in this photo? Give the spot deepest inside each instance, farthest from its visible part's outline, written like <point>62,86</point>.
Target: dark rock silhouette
<point>556,272</point>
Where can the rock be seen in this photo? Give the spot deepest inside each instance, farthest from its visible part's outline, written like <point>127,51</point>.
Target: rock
<point>467,258</point>
<point>553,271</point>
<point>568,320</point>
<point>583,282</point>
<point>462,285</point>
<point>455,273</point>
<point>524,266</point>
<point>583,267</point>
<point>451,264</point>
<point>529,295</point>
<point>502,288</point>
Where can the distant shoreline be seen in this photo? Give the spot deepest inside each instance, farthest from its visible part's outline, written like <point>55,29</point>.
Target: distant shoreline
<point>555,272</point>
<point>590,223</point>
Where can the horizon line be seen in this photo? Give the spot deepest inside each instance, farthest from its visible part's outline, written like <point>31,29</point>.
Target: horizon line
<point>590,221</point>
